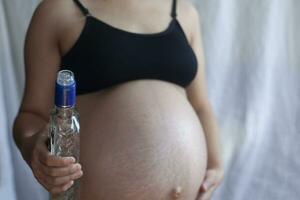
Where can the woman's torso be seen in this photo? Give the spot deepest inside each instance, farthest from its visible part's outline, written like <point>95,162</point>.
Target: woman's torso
<point>140,139</point>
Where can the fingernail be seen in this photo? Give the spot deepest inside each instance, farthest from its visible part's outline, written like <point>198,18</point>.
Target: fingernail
<point>206,185</point>
<point>74,167</point>
<point>76,175</point>
<point>78,166</point>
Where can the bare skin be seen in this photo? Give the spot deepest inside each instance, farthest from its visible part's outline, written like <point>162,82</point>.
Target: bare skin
<point>145,146</point>
<point>139,140</point>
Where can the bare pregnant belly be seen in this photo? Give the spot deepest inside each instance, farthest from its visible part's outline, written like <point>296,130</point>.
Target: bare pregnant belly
<point>140,140</point>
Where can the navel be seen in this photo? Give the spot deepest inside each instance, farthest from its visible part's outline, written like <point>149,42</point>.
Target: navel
<point>176,192</point>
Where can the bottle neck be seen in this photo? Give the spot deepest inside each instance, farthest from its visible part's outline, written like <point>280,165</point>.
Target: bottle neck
<point>65,107</point>
<point>65,111</point>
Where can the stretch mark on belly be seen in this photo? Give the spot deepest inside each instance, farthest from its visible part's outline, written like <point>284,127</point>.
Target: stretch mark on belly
<point>176,192</point>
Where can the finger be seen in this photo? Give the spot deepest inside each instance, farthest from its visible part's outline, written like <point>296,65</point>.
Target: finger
<point>54,185</point>
<point>60,171</point>
<point>209,180</point>
<point>57,181</point>
<point>62,188</point>
<point>51,182</point>
<point>207,194</point>
<point>50,160</point>
<point>66,179</point>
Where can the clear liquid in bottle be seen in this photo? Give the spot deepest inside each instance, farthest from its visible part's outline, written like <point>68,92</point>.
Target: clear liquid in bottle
<point>64,127</point>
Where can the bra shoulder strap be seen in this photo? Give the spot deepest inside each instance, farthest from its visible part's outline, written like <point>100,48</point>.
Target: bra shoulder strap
<point>83,9</point>
<point>174,5</point>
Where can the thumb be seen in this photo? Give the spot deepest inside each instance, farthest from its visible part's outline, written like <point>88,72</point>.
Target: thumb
<point>208,181</point>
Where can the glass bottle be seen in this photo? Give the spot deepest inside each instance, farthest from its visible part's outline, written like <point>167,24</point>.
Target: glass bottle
<point>64,127</point>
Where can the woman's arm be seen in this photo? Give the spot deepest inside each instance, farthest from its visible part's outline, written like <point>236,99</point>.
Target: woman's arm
<point>198,97</point>
<point>42,60</point>
<point>41,63</point>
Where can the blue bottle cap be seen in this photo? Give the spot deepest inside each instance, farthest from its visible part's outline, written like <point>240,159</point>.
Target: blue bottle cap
<point>65,89</point>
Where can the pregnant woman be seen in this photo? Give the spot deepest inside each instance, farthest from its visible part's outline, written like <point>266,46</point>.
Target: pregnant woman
<point>147,128</point>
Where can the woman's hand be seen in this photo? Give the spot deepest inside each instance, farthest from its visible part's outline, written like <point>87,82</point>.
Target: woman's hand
<point>213,177</point>
<point>56,174</point>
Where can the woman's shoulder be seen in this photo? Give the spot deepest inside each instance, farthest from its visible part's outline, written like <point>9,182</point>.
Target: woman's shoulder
<point>51,9</point>
<point>187,9</point>
<point>188,15</point>
<point>52,18</point>
<point>54,13</point>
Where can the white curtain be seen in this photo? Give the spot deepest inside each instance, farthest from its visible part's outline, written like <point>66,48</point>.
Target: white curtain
<point>253,78</point>
<point>16,179</point>
<point>253,73</point>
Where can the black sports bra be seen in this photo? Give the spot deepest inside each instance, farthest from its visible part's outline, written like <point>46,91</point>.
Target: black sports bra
<point>104,55</point>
